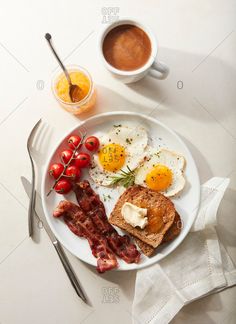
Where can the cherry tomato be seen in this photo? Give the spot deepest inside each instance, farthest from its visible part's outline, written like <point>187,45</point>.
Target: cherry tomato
<point>73,141</point>
<point>56,170</point>
<point>66,155</point>
<point>63,186</point>
<point>92,143</point>
<point>82,160</point>
<point>73,172</point>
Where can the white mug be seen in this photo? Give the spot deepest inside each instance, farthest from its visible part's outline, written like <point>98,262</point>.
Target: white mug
<point>152,67</point>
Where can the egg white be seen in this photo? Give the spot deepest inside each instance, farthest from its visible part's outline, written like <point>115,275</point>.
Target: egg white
<point>175,162</point>
<point>133,139</point>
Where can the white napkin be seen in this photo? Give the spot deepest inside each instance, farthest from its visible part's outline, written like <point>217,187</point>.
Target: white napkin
<point>198,267</point>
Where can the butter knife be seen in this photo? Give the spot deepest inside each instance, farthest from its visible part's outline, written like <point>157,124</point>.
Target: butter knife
<point>64,260</point>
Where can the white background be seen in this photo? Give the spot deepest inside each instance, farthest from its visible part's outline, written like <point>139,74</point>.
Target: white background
<point>198,42</point>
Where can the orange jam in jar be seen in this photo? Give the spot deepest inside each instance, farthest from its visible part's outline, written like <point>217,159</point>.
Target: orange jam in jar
<point>86,95</point>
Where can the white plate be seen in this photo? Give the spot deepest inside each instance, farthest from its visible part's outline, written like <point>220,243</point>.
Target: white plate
<point>160,136</point>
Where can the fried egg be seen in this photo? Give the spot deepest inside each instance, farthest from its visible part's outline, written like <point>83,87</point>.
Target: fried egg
<point>162,171</point>
<point>121,147</point>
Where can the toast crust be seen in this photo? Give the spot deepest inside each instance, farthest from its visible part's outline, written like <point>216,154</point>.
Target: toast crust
<point>161,214</point>
<point>172,232</point>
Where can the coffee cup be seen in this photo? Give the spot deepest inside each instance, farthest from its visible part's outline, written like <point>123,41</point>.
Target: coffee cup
<point>142,50</point>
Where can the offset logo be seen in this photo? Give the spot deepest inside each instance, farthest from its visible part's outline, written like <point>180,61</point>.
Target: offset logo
<point>40,84</point>
<point>110,295</point>
<point>180,84</point>
<point>110,14</point>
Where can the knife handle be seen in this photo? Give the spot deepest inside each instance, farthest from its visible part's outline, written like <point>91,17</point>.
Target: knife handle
<point>69,270</point>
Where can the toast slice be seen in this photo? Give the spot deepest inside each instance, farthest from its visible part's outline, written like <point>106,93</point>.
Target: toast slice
<point>161,214</point>
<point>172,232</point>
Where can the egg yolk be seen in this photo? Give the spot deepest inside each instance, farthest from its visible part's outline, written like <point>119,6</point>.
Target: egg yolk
<point>159,178</point>
<point>112,157</point>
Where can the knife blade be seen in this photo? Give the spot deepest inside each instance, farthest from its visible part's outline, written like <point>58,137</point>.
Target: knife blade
<point>38,208</point>
<point>65,261</point>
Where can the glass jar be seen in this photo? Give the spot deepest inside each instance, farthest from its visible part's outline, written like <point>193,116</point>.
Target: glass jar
<point>86,103</point>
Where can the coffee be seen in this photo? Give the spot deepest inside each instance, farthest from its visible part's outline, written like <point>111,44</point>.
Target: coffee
<point>127,47</point>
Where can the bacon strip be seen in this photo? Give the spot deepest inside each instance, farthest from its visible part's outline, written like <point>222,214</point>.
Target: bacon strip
<point>81,225</point>
<point>91,204</point>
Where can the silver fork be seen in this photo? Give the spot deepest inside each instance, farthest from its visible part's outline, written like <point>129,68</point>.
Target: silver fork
<point>32,194</point>
<point>35,149</point>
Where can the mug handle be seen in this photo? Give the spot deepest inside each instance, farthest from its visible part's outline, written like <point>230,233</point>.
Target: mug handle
<point>159,70</point>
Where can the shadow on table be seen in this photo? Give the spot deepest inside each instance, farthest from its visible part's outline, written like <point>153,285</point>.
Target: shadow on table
<point>124,279</point>
<point>226,220</point>
<point>109,100</point>
<point>207,77</point>
<point>200,161</point>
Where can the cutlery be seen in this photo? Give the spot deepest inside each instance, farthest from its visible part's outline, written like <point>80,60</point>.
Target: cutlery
<point>32,193</point>
<point>64,260</point>
<point>74,90</point>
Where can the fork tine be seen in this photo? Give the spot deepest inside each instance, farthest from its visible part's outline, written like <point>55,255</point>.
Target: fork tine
<point>45,135</point>
<point>39,136</point>
<point>82,130</point>
<point>33,131</point>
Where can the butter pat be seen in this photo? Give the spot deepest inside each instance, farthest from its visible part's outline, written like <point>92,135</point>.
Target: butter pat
<point>134,215</point>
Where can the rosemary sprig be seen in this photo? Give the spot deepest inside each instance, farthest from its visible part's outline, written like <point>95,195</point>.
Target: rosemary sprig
<point>125,178</point>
